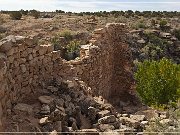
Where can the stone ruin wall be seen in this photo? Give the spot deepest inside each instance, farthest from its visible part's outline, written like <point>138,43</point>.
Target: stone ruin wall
<point>105,65</point>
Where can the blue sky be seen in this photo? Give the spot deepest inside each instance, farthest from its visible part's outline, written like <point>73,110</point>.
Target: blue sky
<point>91,5</point>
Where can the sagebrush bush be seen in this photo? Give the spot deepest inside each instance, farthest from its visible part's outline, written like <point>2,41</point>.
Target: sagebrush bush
<point>73,46</point>
<point>158,82</point>
<point>35,13</point>
<point>67,34</point>
<point>176,32</point>
<point>163,23</point>
<point>16,15</point>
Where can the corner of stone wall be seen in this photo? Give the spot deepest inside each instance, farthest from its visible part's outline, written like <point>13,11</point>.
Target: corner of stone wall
<point>105,66</point>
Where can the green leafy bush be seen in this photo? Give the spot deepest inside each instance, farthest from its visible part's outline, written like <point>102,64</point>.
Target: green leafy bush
<point>16,15</point>
<point>158,82</point>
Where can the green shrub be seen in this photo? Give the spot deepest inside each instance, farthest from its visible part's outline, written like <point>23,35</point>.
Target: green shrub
<point>73,46</point>
<point>158,82</point>
<point>141,25</point>
<point>67,34</point>
<point>153,22</point>
<point>72,50</point>
<point>163,23</point>
<point>56,43</point>
<point>16,15</point>
<point>24,12</point>
<point>1,19</point>
<point>176,33</point>
<point>35,13</point>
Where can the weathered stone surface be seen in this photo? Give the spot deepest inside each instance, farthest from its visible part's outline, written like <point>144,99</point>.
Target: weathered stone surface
<point>58,126</point>
<point>103,113</point>
<point>45,109</point>
<point>43,121</point>
<point>45,99</point>
<point>107,119</point>
<point>106,128</point>
<point>23,107</point>
<point>165,121</point>
<point>1,112</point>
<point>138,117</point>
<point>5,45</point>
<point>52,88</point>
<point>129,122</point>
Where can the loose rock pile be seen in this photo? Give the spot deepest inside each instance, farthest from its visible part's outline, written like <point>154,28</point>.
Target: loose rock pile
<point>61,108</point>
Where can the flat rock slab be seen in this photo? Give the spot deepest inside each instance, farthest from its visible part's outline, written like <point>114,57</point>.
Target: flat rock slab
<point>45,99</point>
<point>23,107</point>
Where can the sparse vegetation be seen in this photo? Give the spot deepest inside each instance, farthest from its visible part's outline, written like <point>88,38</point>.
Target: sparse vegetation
<point>72,50</point>
<point>67,34</point>
<point>34,13</point>
<point>176,32</point>
<point>16,15</point>
<point>171,125</point>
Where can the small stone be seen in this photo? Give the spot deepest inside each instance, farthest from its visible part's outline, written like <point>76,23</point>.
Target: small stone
<point>23,68</point>
<point>43,121</point>
<point>54,132</point>
<point>5,45</point>
<point>107,119</point>
<point>165,121</point>
<point>105,127</point>
<point>92,113</point>
<point>125,115</point>
<point>45,99</point>
<point>103,113</point>
<point>57,115</point>
<point>52,88</point>
<point>163,116</point>
<point>138,117</point>
<point>45,109</point>
<point>74,126</point>
<point>144,123</point>
<point>58,126</point>
<point>59,102</point>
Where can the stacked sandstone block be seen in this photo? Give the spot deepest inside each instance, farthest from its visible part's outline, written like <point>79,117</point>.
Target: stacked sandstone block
<point>23,66</point>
